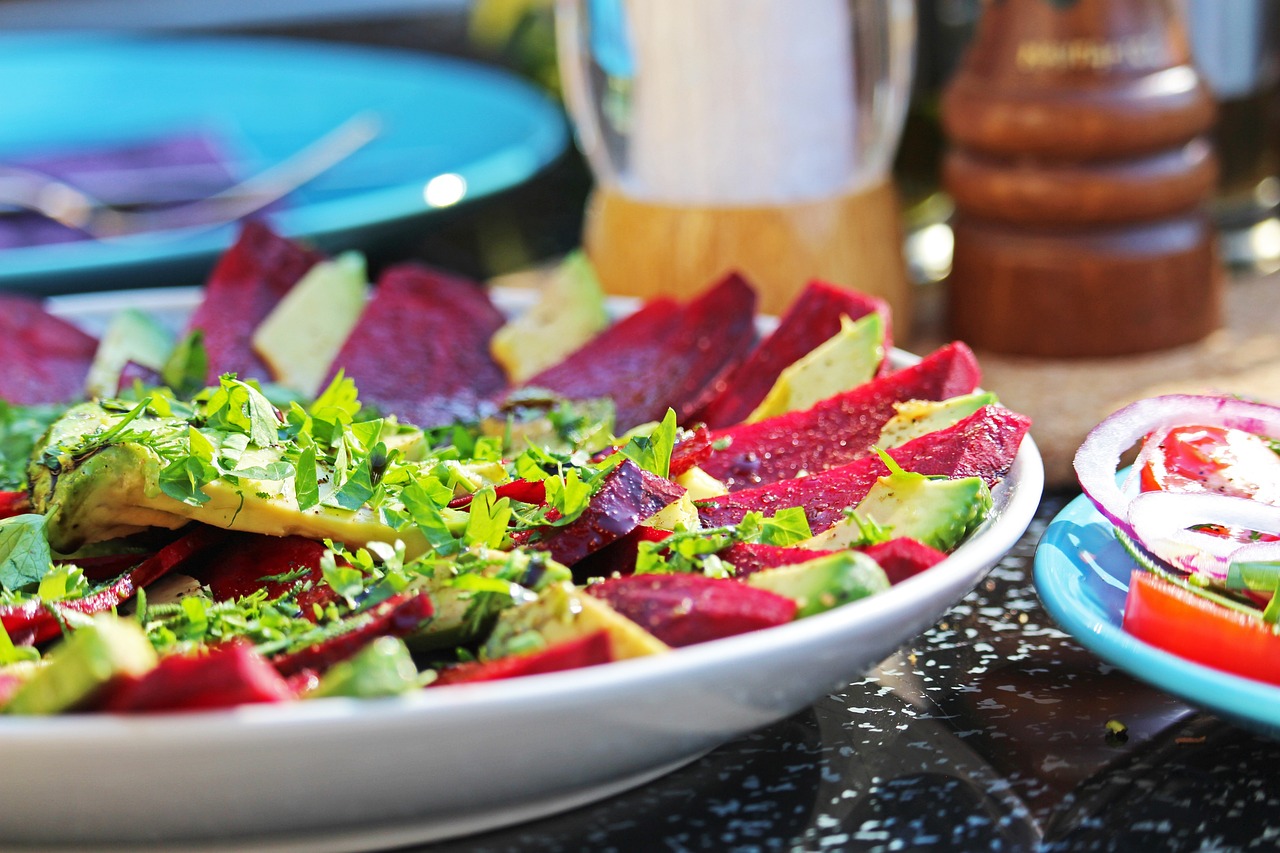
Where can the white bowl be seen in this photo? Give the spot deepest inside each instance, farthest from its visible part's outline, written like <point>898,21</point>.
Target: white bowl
<point>340,774</point>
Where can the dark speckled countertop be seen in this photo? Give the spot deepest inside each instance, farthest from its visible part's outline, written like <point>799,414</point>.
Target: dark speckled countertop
<point>987,732</point>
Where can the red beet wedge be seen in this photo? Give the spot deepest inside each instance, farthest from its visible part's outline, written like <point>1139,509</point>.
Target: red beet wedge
<point>902,558</point>
<point>813,317</point>
<point>235,568</point>
<point>421,348</point>
<point>45,359</point>
<point>749,557</point>
<point>983,444</point>
<point>683,609</point>
<point>222,677</point>
<point>837,430</point>
<point>398,616</point>
<point>35,622</point>
<point>628,495</point>
<point>666,355</point>
<point>587,650</point>
<point>249,279</point>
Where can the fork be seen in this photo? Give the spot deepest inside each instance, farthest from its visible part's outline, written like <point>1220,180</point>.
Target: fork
<point>73,207</point>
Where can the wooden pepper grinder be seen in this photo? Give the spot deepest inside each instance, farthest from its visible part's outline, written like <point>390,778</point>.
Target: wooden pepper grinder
<point>1081,176</point>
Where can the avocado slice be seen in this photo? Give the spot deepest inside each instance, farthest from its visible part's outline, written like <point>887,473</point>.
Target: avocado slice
<point>461,616</point>
<point>824,582</point>
<point>915,418</point>
<point>847,359</point>
<point>382,668</point>
<point>132,336</point>
<point>563,612</point>
<point>91,657</point>
<point>939,512</point>
<point>115,491</point>
<point>301,336</point>
<point>569,312</point>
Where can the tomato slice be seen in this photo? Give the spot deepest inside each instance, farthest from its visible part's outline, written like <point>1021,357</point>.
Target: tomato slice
<point>1168,616</point>
<point>1214,459</point>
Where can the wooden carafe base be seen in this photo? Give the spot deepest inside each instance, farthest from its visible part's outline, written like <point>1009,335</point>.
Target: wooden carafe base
<point>1107,291</point>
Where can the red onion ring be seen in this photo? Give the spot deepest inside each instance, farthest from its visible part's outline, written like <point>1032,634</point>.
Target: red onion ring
<point>1160,520</point>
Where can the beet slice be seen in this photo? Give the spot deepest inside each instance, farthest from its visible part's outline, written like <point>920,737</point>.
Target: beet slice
<point>421,348</point>
<point>837,430</point>
<point>525,491</point>
<point>750,557</point>
<point>247,282</point>
<point>903,557</point>
<point>665,355</point>
<point>14,503</point>
<point>34,621</point>
<point>811,319</point>
<point>694,449</point>
<point>398,616</point>
<point>628,495</point>
<point>683,609</point>
<point>618,557</point>
<point>983,444</point>
<point>588,650</point>
<point>45,358</point>
<point>222,677</point>
<point>236,566</point>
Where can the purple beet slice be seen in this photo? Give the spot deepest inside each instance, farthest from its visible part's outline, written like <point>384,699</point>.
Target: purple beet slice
<point>837,430</point>
<point>223,677</point>
<point>983,444</point>
<point>811,319</point>
<point>618,557</point>
<point>398,616</point>
<point>665,355</point>
<point>588,650</point>
<point>421,348</point>
<point>683,609</point>
<point>628,495</point>
<point>750,557</point>
<point>45,358</point>
<point>249,279</point>
<point>35,622</point>
<point>903,557</point>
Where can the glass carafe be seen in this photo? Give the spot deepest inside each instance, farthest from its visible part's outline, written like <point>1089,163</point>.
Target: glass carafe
<point>747,135</point>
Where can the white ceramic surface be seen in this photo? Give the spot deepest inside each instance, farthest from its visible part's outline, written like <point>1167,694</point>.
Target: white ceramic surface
<point>351,774</point>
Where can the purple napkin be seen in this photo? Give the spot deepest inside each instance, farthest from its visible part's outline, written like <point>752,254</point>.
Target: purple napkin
<point>149,173</point>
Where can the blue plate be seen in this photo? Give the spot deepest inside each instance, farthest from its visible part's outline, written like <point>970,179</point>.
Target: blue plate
<point>1082,576</point>
<point>269,98</point>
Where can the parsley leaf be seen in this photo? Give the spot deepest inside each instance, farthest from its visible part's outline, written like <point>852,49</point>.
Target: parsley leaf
<point>305,485</point>
<point>20,428</point>
<point>487,519</point>
<point>24,551</point>
<point>653,451</point>
<point>786,527</point>
<point>239,407</point>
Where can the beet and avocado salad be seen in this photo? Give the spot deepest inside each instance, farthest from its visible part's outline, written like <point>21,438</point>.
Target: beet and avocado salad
<point>320,487</point>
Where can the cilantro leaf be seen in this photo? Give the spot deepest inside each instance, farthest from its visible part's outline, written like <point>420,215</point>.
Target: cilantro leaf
<point>306,487</point>
<point>24,551</point>
<point>653,451</point>
<point>786,527</point>
<point>239,407</point>
<point>569,495</point>
<point>20,428</point>
<point>487,519</point>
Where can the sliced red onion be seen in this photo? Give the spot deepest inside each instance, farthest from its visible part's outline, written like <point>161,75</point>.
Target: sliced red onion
<point>1098,458</point>
<point>1159,522</point>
